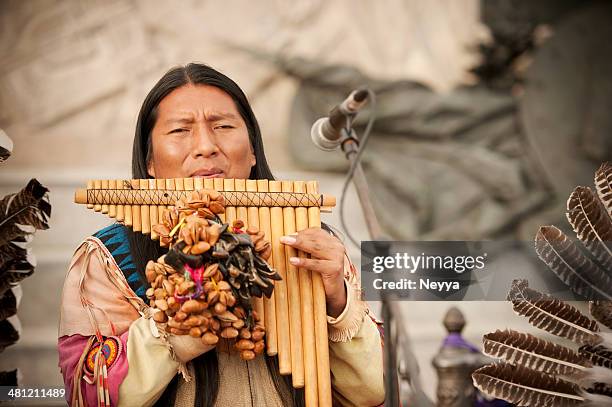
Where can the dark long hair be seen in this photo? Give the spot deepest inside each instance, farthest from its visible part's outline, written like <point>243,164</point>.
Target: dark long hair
<point>144,249</point>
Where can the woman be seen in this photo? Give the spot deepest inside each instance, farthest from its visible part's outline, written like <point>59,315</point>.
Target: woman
<point>196,122</point>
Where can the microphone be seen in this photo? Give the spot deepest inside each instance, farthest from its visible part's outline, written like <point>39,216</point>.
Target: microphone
<point>325,132</point>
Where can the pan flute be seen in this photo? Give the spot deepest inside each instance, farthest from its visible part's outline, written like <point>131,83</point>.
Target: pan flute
<point>295,316</point>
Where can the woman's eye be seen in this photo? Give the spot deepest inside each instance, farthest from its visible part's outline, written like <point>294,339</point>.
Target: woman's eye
<point>177,131</point>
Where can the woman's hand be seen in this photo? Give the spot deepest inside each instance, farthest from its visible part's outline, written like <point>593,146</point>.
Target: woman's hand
<point>327,258</point>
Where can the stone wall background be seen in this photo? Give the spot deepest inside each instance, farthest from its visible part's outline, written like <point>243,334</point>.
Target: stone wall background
<point>74,73</point>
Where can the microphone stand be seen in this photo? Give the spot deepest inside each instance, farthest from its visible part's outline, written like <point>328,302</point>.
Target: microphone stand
<point>350,147</point>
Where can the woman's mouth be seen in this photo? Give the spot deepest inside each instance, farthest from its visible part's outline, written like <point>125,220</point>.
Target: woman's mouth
<point>211,173</point>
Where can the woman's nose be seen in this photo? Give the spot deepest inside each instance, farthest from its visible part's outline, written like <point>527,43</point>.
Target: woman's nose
<point>204,142</point>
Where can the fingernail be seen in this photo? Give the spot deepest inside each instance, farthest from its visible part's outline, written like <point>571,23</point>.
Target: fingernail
<point>294,260</point>
<point>288,239</point>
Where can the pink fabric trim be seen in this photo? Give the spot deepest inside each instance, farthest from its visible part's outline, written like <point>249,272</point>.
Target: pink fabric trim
<point>70,349</point>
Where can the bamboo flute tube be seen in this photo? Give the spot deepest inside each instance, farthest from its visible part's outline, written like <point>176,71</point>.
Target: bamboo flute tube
<point>252,220</point>
<point>216,184</point>
<point>241,211</point>
<point>90,185</point>
<point>145,215</point>
<point>307,313</point>
<point>189,184</point>
<point>120,208</point>
<point>170,185</point>
<point>112,209</point>
<point>104,185</point>
<point>320,314</point>
<point>230,211</point>
<point>153,212</point>
<point>293,293</point>
<point>269,303</point>
<point>127,208</point>
<point>160,184</point>
<point>136,220</point>
<point>97,185</point>
<point>280,287</point>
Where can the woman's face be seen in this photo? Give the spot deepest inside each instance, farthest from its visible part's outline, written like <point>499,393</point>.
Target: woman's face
<point>199,133</point>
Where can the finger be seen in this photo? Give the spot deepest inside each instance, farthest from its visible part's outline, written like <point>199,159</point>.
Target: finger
<point>326,268</point>
<point>319,244</point>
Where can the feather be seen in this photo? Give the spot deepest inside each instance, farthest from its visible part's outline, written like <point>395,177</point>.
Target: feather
<point>576,270</point>
<point>526,387</point>
<point>8,305</point>
<point>29,207</point>
<point>600,388</point>
<point>8,334</point>
<point>6,146</point>
<point>592,224</point>
<point>598,355</point>
<point>552,315</point>
<point>15,264</point>
<point>602,312</point>
<point>603,184</point>
<point>8,378</point>
<point>532,352</point>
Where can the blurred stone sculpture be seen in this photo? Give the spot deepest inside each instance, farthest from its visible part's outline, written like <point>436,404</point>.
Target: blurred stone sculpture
<point>474,163</point>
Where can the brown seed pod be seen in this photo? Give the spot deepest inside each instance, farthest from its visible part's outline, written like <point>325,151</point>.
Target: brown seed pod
<point>247,355</point>
<point>244,344</point>
<point>157,282</point>
<point>185,286</point>
<point>210,270</point>
<point>229,333</point>
<point>210,339</point>
<point>177,331</point>
<point>150,293</point>
<point>231,300</point>
<point>238,323</point>
<point>176,279</point>
<point>150,271</point>
<point>212,297</point>
<point>180,316</point>
<point>160,317</point>
<point>213,232</point>
<point>266,253</point>
<point>161,304</point>
<point>238,224</point>
<point>192,307</point>
<point>192,321</point>
<point>215,325</point>
<point>239,312</point>
<point>223,298</point>
<point>259,347</point>
<point>257,335</point>
<point>206,213</point>
<point>173,323</point>
<point>245,333</point>
<point>185,236</point>
<point>227,316</point>
<point>173,304</point>
<point>169,287</point>
<point>224,286</point>
<point>219,308</point>
<point>200,248</point>
<point>216,207</point>
<point>196,332</point>
<point>159,293</point>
